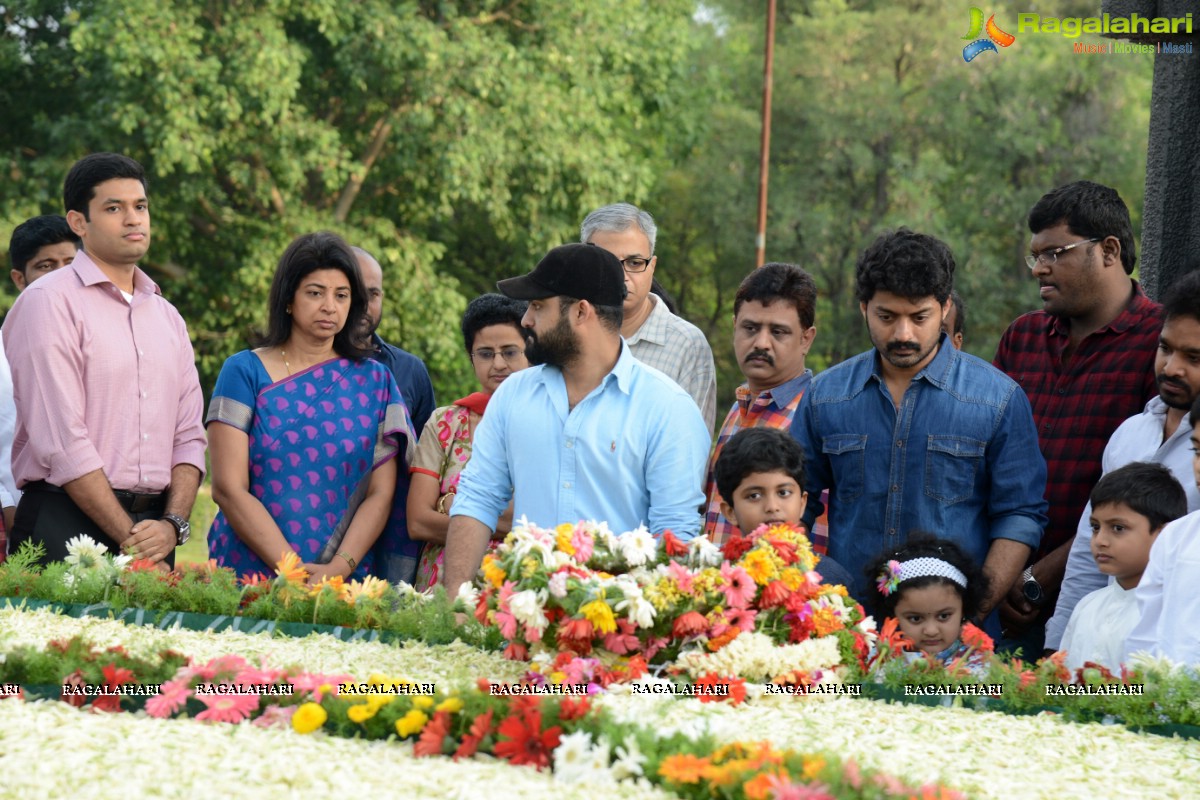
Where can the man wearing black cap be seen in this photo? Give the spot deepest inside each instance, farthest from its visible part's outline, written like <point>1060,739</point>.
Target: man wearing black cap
<point>590,434</point>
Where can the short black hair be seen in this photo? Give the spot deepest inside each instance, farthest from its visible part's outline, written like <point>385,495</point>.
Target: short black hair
<point>960,313</point>
<point>776,281</point>
<point>906,263</point>
<point>1182,298</point>
<point>91,171</point>
<point>1090,210</point>
<point>35,233</point>
<point>304,256</point>
<point>492,309</point>
<point>1149,489</point>
<point>921,544</point>
<point>761,449</point>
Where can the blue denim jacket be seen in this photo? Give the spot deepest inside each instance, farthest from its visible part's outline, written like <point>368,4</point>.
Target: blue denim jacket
<point>959,458</point>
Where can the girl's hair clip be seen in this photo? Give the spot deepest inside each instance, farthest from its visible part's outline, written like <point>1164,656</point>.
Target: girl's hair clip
<point>889,578</point>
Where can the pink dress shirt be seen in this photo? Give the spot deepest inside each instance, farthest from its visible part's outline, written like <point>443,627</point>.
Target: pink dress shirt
<point>101,382</point>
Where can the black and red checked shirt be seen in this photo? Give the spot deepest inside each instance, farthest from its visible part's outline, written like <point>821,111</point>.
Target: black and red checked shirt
<point>1078,404</point>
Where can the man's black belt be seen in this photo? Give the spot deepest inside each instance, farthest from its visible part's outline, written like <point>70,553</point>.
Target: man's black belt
<point>133,502</point>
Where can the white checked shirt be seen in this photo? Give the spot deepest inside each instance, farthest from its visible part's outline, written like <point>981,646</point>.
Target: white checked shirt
<point>678,349</point>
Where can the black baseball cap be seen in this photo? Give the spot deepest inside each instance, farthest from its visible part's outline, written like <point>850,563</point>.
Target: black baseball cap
<point>582,271</point>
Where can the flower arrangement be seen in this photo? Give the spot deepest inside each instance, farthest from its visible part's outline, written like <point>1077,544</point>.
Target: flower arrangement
<point>583,589</point>
<point>92,576</point>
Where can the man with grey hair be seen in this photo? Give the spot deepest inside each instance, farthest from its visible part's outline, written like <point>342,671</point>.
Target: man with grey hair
<point>655,336</point>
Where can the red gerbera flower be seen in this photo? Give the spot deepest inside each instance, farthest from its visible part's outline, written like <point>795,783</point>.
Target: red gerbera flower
<point>110,703</point>
<point>115,676</point>
<point>142,565</point>
<point>576,635</point>
<point>786,550</point>
<point>774,594</point>
<point>480,728</point>
<point>735,691</point>
<point>672,546</point>
<point>524,740</point>
<point>516,651</point>
<point>433,735</point>
<point>692,623</point>
<point>76,682</point>
<point>974,637</point>
<point>571,709</point>
<point>736,546</point>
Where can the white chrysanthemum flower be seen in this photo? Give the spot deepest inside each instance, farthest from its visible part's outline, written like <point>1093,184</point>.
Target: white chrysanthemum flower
<point>121,561</point>
<point>637,547</point>
<point>84,552</point>
<point>637,609</point>
<point>629,761</point>
<point>703,553</point>
<point>468,594</point>
<point>596,766</point>
<point>755,657</point>
<point>570,757</point>
<point>527,606</point>
<point>558,585</point>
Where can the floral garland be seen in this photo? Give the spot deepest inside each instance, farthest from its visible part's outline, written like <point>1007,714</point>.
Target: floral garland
<point>583,589</point>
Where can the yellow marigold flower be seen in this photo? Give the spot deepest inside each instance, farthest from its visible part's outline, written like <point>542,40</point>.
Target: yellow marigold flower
<point>411,723</point>
<point>422,702</point>
<point>813,767</point>
<point>562,538</point>
<point>378,701</point>
<point>792,578</point>
<point>451,704</point>
<point>558,677</point>
<point>308,718</point>
<point>362,712</point>
<point>493,572</point>
<point>600,614</point>
<point>759,566</point>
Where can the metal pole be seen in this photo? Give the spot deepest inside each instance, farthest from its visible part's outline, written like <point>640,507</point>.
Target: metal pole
<point>760,239</point>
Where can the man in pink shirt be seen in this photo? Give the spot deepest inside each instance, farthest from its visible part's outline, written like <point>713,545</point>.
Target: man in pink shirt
<point>109,439</point>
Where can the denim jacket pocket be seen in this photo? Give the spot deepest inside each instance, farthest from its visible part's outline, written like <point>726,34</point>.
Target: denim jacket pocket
<point>847,458</point>
<point>951,464</point>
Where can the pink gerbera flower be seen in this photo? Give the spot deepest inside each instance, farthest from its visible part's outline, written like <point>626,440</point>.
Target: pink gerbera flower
<point>222,665</point>
<point>739,588</point>
<point>170,698</point>
<point>682,576</point>
<point>317,684</point>
<point>227,707</point>
<point>583,543</point>
<point>275,717</point>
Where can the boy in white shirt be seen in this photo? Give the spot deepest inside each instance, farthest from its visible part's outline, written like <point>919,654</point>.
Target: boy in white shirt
<point>1130,506</point>
<point>1167,598</point>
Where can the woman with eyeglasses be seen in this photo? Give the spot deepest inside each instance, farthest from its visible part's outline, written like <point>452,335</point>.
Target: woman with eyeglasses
<point>495,343</point>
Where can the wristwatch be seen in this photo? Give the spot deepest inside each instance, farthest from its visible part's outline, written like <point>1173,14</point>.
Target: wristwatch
<point>183,528</point>
<point>1032,590</point>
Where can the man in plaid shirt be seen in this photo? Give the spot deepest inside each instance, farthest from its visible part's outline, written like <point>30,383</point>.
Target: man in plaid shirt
<point>773,314</point>
<point>1086,361</point>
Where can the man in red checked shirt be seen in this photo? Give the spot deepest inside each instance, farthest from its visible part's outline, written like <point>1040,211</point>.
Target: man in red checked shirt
<point>1086,361</point>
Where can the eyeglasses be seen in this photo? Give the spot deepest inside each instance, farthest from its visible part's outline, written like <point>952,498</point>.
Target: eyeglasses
<point>635,263</point>
<point>509,354</point>
<point>1051,256</point>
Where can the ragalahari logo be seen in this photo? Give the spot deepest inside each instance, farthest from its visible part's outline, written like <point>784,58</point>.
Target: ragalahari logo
<point>995,36</point>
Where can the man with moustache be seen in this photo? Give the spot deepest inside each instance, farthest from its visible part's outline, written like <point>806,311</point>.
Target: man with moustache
<point>915,435</point>
<point>109,439</point>
<point>1086,363</point>
<point>773,314</point>
<point>590,433</point>
<point>1160,434</point>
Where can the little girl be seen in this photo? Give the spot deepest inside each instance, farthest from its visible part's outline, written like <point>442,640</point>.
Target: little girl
<point>930,586</point>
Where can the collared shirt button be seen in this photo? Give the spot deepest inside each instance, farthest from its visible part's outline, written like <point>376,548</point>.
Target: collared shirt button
<point>900,443</point>
<point>570,443</point>
<point>566,484</point>
<point>895,488</point>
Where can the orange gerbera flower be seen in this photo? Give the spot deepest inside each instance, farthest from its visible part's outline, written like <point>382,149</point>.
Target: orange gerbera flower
<point>683,768</point>
<point>291,568</point>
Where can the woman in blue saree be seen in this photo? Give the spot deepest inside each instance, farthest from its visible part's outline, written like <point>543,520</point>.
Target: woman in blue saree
<point>304,431</point>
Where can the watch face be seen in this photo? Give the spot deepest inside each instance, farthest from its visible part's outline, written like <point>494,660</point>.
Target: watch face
<point>1033,592</point>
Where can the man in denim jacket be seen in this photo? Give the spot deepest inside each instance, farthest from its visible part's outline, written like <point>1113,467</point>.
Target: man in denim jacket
<point>916,435</point>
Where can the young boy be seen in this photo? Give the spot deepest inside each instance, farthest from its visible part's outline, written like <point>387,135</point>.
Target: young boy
<point>1130,506</point>
<point>1167,600</point>
<point>760,475</point>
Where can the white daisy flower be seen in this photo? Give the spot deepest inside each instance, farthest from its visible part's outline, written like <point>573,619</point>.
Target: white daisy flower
<point>84,552</point>
<point>637,547</point>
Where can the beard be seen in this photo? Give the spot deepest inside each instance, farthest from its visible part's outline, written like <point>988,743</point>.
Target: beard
<point>557,347</point>
<point>1182,398</point>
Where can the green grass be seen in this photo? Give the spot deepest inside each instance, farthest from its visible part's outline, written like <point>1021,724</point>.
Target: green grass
<point>196,549</point>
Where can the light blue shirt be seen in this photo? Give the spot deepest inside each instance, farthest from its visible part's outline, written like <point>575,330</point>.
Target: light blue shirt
<point>630,453</point>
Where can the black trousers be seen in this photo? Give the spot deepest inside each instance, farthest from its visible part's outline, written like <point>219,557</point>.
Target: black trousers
<point>47,514</point>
